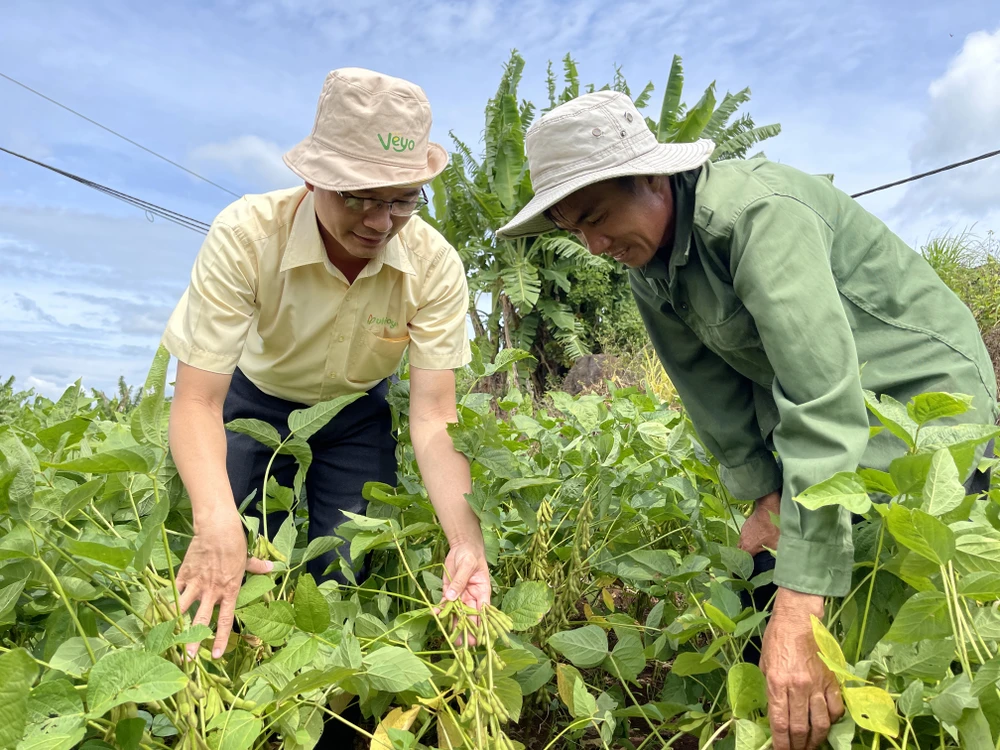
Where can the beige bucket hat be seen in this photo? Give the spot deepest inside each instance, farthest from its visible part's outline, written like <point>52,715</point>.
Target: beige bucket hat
<point>592,138</point>
<point>371,130</point>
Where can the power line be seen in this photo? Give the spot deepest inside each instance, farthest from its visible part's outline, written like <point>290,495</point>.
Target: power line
<point>119,135</point>
<point>927,174</point>
<point>195,225</point>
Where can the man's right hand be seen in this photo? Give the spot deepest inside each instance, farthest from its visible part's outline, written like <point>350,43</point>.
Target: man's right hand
<point>759,532</point>
<point>212,573</point>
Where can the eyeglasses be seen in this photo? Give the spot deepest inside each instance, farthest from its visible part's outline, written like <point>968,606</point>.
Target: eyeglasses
<point>396,208</point>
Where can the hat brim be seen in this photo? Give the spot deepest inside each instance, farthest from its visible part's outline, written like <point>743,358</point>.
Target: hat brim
<point>664,158</point>
<point>322,167</point>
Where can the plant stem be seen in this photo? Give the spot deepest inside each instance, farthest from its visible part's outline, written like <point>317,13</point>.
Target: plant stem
<point>718,732</point>
<point>69,608</point>
<point>871,590</point>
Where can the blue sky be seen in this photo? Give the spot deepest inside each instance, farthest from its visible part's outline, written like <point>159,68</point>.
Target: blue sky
<point>868,91</point>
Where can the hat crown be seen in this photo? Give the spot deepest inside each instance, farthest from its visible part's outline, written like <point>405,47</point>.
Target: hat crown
<point>374,117</point>
<point>593,131</point>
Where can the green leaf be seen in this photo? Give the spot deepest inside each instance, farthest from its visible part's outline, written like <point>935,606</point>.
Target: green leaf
<point>236,729</point>
<point>749,736</point>
<point>927,407</point>
<point>830,652</point>
<point>284,540</point>
<point>974,731</point>
<point>160,638</point>
<point>911,700</point>
<point>585,647</point>
<point>627,659</point>
<point>922,533</point>
<point>842,733</point>
<point>9,595</point>
<point>113,551</point>
<point>271,622</point>
<point>844,489</point>
<point>878,481</point>
<point>977,550</point>
<point>259,430</point>
<point>719,618</point>
<point>909,472</point>
<point>139,459</point>
<point>17,673</point>
<point>320,546</point>
<point>923,616</point>
<point>254,588</point>
<point>691,663</point>
<point>72,658</point>
<point>584,705</point>
<point>128,733</point>
<point>305,423</point>
<point>393,669</point>
<point>671,101</point>
<point>953,700</point>
<point>928,660</point>
<point>872,709</point>
<point>893,415</point>
<point>79,496</point>
<point>987,677</point>
<point>527,603</point>
<point>747,690</point>
<point>943,491</point>
<point>314,679</point>
<point>131,676</point>
<point>312,612</point>
<point>54,698</point>
<point>62,733</point>
<point>509,693</point>
<point>519,484</point>
<point>982,587</point>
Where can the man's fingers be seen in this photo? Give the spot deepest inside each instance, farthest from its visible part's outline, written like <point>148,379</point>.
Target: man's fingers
<point>203,617</point>
<point>819,720</point>
<point>227,608</point>
<point>777,711</point>
<point>459,579</point>
<point>798,716</point>
<point>834,703</point>
<point>259,567</point>
<point>189,596</point>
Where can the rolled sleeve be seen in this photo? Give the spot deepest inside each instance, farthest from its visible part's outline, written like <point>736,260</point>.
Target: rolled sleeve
<point>782,273</point>
<point>718,399</point>
<point>439,338</point>
<point>209,326</point>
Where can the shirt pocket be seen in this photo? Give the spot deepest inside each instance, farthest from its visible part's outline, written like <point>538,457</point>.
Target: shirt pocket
<point>377,358</point>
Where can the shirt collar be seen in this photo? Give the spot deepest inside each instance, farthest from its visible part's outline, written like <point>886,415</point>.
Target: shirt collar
<point>305,245</point>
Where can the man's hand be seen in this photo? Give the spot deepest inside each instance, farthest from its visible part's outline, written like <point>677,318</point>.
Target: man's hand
<point>758,531</point>
<point>803,695</point>
<point>212,573</point>
<point>467,577</point>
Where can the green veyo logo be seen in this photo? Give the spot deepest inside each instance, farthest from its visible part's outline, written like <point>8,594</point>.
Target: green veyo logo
<point>396,142</point>
<point>386,321</point>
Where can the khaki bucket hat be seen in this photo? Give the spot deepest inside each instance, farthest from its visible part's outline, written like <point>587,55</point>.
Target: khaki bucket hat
<point>592,138</point>
<point>371,130</point>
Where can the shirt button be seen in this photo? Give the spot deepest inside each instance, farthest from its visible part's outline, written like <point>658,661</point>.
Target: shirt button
<point>332,374</point>
<point>684,306</point>
<point>341,338</point>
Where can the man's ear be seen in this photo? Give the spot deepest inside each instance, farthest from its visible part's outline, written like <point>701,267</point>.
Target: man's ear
<point>309,187</point>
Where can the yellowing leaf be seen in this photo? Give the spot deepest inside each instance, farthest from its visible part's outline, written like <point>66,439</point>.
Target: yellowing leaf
<point>872,709</point>
<point>397,718</point>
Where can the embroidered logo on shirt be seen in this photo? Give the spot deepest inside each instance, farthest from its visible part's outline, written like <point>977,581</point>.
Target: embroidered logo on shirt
<point>386,321</point>
<point>397,142</point>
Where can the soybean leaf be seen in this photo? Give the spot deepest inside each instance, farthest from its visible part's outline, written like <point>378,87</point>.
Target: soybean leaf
<point>314,679</point>
<point>923,616</point>
<point>259,430</point>
<point>527,603</point>
<point>844,488</point>
<point>56,697</point>
<point>312,612</point>
<point>927,407</point>
<point>131,676</point>
<point>943,491</point>
<point>236,729</point>
<point>139,459</point>
<point>17,673</point>
<point>691,663</point>
<point>128,733</point>
<point>271,622</point>
<point>393,669</point>
<point>749,736</point>
<point>585,647</point>
<point>893,415</point>
<point>509,693</point>
<point>72,658</point>
<point>872,709</point>
<point>305,423</point>
<point>627,659</point>
<point>747,690</point>
<point>254,588</point>
<point>922,533</point>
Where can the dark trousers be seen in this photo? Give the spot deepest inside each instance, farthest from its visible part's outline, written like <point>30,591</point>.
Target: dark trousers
<point>761,597</point>
<point>355,447</point>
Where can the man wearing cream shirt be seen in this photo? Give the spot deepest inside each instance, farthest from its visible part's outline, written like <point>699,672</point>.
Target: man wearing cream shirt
<point>299,296</point>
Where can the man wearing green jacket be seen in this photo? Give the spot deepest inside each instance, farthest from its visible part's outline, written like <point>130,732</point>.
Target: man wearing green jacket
<point>773,300</point>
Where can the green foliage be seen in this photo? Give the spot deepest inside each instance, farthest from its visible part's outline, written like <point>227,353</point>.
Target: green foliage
<point>616,589</point>
<point>549,295</point>
<point>970,266</point>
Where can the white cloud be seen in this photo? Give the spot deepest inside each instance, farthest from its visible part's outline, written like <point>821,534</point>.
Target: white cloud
<point>962,120</point>
<point>248,157</point>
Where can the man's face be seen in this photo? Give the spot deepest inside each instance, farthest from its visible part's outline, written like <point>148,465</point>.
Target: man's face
<point>362,234</point>
<point>627,225</point>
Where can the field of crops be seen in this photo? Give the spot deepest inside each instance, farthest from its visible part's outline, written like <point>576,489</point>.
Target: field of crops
<point>616,621</point>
